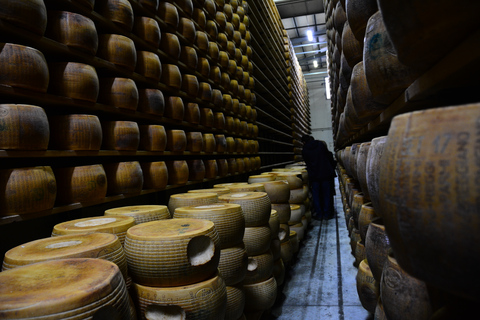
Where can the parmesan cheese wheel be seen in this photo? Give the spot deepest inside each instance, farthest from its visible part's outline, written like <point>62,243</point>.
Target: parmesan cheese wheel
<point>93,245</point>
<point>190,199</point>
<point>27,190</point>
<point>205,92</point>
<point>284,232</point>
<point>235,303</point>
<point>215,74</point>
<point>213,51</point>
<point>240,165</point>
<point>259,268</point>
<point>211,168</point>
<point>218,191</point>
<point>257,239</point>
<point>230,141</point>
<point>73,132</point>
<point>176,140</point>
<point>81,184</point>
<point>260,296</point>
<point>243,188</point>
<point>74,80</point>
<point>148,30</point>
<point>170,44</point>
<point>196,170</point>
<point>120,135</point>
<point>294,179</point>
<point>30,15</point>
<point>24,127</point>
<point>206,117</point>
<point>220,143</point>
<point>296,213</point>
<point>148,65</point>
<point>186,28</point>
<point>116,225</point>
<point>119,12</point>
<point>177,172</point>
<point>217,100</point>
<point>118,50</point>
<point>199,17</point>
<point>279,271</point>
<point>141,213</point>
<point>274,223</point>
<point>209,145</point>
<point>78,288</point>
<point>298,195</point>
<point>233,264</point>
<point>124,177</point>
<point>204,300</point>
<point>152,137</point>
<point>73,30</point>
<point>190,85</point>
<point>232,165</point>
<point>192,113</point>
<point>278,191</point>
<point>228,219</point>
<point>174,108</point>
<point>119,93</point>
<point>186,6</point>
<point>256,206</point>
<point>151,101</point>
<point>286,251</point>
<point>210,7</point>
<point>202,41</point>
<point>171,76</point>
<point>168,13</point>
<point>172,252</point>
<point>211,30</point>
<point>194,141</point>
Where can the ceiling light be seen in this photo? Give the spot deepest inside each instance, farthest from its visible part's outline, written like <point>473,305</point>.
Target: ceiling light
<point>309,35</point>
<point>315,64</point>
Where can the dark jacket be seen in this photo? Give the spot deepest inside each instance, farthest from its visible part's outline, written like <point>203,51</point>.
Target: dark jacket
<point>319,161</point>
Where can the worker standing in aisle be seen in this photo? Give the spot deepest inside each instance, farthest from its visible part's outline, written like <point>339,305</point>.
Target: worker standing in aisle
<point>321,174</point>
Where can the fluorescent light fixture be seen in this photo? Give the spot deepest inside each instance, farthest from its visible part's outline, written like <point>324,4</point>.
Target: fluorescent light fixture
<point>315,63</point>
<point>310,35</point>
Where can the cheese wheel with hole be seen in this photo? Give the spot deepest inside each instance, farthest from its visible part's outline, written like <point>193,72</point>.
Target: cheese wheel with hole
<point>174,108</point>
<point>170,44</point>
<point>148,30</point>
<point>80,184</point>
<point>171,76</point>
<point>194,141</point>
<point>256,206</point>
<point>120,135</point>
<point>149,65</point>
<point>260,296</point>
<point>72,291</point>
<point>211,168</point>
<point>141,213</point>
<point>151,101</point>
<point>235,303</point>
<point>176,140</point>
<point>118,50</point>
<point>191,199</point>
<point>172,252</point>
<point>124,177</point>
<point>29,15</point>
<point>274,223</point>
<point>168,13</point>
<point>177,172</point>
<point>74,80</point>
<point>116,225</point>
<point>119,93</point>
<point>120,12</point>
<point>155,175</point>
<point>196,170</point>
<point>228,219</point>
<point>257,239</point>
<point>192,113</point>
<point>27,190</point>
<point>93,245</point>
<point>233,264</point>
<point>259,268</point>
<point>186,28</point>
<point>74,132</point>
<point>204,300</point>
<point>73,30</point>
<point>24,127</point>
<point>153,137</point>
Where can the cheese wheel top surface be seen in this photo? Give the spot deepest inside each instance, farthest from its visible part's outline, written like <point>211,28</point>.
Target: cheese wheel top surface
<point>193,195</point>
<point>220,208</point>
<point>170,229</point>
<point>137,210</point>
<point>95,224</point>
<point>242,196</point>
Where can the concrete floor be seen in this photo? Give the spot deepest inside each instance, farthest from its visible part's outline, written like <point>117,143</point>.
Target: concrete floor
<point>321,283</point>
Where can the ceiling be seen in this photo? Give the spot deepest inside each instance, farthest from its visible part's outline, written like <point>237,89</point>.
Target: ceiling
<point>299,16</point>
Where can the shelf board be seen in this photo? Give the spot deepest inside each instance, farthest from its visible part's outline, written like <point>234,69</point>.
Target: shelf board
<point>109,153</point>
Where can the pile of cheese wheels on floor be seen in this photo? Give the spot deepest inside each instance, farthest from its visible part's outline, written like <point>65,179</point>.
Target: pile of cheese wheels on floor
<point>218,253</point>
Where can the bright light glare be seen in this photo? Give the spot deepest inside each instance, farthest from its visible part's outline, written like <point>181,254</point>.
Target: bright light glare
<point>327,87</point>
<point>315,64</point>
<point>309,35</point>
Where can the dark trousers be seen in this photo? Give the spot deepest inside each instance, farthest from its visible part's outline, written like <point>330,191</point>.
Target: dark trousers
<point>322,196</point>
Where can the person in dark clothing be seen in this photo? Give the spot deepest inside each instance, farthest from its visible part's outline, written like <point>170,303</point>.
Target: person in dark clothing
<point>321,174</point>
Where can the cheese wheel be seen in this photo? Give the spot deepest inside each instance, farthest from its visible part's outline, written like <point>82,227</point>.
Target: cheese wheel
<point>172,252</point>
<point>220,143</point>
<point>286,250</point>
<point>141,213</point>
<point>119,12</point>
<point>176,140</point>
<point>24,127</point>
<point>170,44</point>
<point>225,82</point>
<point>119,93</point>
<point>210,7</point>
<point>229,29</point>
<point>257,239</point>
<point>152,137</point>
<point>275,247</point>
<point>298,195</point>
<point>116,225</point>
<point>199,17</point>
<point>196,170</point>
<point>80,184</point>
<point>239,145</point>
<point>203,300</point>
<point>149,4</point>
<point>235,303</point>
<point>177,172</point>
<point>72,290</point>
<point>284,232</point>
<point>192,113</point>
<point>27,190</point>
<point>211,168</point>
<point>217,100</point>
<point>73,30</point>
<point>299,228</point>
<point>206,117</point>
<point>205,92</point>
<point>194,141</point>
<point>260,296</point>
<point>168,13</point>
<point>148,65</point>
<point>148,30</point>
<point>228,219</point>
<point>279,271</point>
<point>74,80</point>
<point>151,101</point>
<point>190,85</point>
<point>213,51</point>
<point>259,268</point>
<point>29,15</point>
<point>202,41</point>
<point>174,108</point>
<point>124,177</point>
<point>278,191</point>
<point>203,67</point>
<point>215,74</point>
<point>243,188</point>
<point>171,76</point>
<point>296,213</point>
<point>186,6</point>
<point>186,28</point>
<point>218,191</point>
<point>190,199</point>
<point>120,135</point>
<point>232,165</point>
<point>256,206</point>
<point>233,264</point>
<point>294,179</point>
<point>118,50</point>
<point>209,144</point>
<point>74,132</point>
<point>93,245</point>
<point>155,175</point>
<point>211,30</point>
<point>228,9</point>
<point>230,141</point>
<point>274,223</point>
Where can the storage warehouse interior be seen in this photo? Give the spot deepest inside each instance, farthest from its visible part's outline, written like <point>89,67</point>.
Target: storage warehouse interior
<point>152,167</point>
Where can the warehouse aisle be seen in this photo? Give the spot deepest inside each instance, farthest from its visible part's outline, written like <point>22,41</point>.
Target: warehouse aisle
<point>321,284</point>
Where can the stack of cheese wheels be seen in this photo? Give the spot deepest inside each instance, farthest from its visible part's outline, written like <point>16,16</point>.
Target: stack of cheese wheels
<point>117,225</point>
<point>78,288</point>
<point>141,213</point>
<point>275,248</point>
<point>174,264</point>
<point>296,220</point>
<point>190,199</point>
